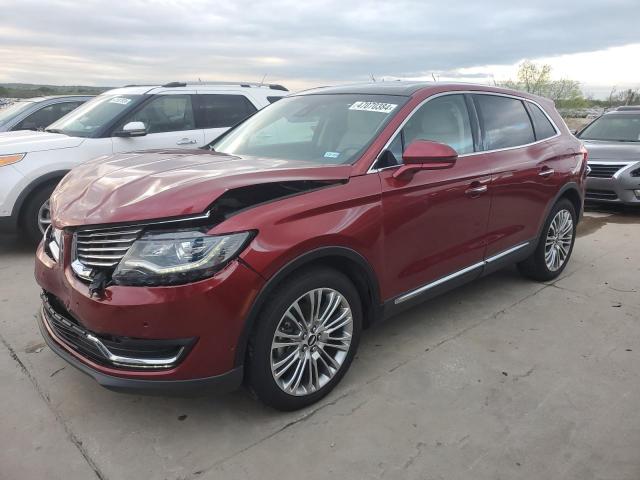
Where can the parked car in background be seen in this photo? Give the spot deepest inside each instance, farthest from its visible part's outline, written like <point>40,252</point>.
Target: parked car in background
<point>121,120</point>
<point>38,113</point>
<point>613,142</point>
<point>263,256</point>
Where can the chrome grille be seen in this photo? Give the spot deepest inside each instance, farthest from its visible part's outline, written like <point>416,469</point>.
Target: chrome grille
<point>604,170</point>
<point>105,247</point>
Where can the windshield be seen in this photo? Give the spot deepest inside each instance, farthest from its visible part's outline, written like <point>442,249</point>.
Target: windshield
<point>331,129</point>
<point>93,115</point>
<point>12,110</point>
<point>614,128</point>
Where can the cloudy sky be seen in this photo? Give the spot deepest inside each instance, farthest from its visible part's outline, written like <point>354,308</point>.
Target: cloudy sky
<point>304,43</point>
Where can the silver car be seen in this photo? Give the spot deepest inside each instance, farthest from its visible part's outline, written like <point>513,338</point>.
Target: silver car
<point>38,113</point>
<point>613,142</point>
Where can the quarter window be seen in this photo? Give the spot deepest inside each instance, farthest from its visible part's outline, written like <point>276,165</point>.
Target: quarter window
<point>543,127</point>
<point>220,111</point>
<point>166,113</point>
<point>505,122</point>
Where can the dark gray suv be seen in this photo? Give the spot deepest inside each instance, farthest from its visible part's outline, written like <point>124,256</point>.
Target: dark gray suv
<point>613,142</point>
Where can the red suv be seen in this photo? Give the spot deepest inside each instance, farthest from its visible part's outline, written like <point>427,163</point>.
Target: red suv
<point>263,256</point>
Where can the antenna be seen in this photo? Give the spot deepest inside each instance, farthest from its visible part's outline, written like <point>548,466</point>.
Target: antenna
<point>263,79</point>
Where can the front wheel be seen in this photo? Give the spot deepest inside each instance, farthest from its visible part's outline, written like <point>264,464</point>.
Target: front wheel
<point>305,340</point>
<point>554,245</point>
<point>36,215</point>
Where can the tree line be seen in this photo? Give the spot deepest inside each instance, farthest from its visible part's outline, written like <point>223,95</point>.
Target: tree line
<point>536,78</point>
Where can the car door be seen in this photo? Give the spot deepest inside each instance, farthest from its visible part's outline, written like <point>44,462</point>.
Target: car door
<point>217,112</point>
<point>434,221</point>
<point>523,172</point>
<point>169,119</point>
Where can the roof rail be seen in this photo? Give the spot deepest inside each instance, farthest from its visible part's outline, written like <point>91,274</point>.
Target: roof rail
<point>628,108</point>
<point>272,86</point>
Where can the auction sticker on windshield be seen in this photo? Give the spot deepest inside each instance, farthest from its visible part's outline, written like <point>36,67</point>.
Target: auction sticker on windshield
<point>373,107</point>
<point>120,100</point>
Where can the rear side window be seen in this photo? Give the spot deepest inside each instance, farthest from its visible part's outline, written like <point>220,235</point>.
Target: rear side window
<point>541,124</point>
<point>218,111</point>
<point>505,122</point>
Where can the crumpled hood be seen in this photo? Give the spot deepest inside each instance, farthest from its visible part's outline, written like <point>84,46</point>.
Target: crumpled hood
<point>25,141</point>
<point>612,152</point>
<point>160,184</point>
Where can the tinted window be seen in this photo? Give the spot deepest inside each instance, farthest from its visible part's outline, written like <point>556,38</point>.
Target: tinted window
<point>46,116</point>
<point>165,113</point>
<point>544,128</point>
<point>622,127</point>
<point>443,119</point>
<point>505,122</point>
<point>217,111</point>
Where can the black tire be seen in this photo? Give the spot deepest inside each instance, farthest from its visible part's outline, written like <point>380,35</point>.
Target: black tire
<point>535,267</point>
<point>29,214</point>
<point>259,375</point>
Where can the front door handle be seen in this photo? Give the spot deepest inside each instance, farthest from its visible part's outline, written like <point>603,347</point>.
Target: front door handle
<point>476,190</point>
<point>546,171</point>
<point>186,141</point>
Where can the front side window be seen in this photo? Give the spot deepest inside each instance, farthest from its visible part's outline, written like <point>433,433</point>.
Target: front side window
<point>91,117</point>
<point>221,111</point>
<point>505,122</point>
<point>331,128</point>
<point>165,113</point>
<point>444,119</point>
<point>614,127</point>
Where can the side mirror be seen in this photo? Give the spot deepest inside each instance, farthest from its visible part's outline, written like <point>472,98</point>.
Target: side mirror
<point>132,129</point>
<point>426,155</point>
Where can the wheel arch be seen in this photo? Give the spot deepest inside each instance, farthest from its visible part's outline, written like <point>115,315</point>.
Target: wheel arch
<point>570,191</point>
<point>343,259</point>
<point>31,188</point>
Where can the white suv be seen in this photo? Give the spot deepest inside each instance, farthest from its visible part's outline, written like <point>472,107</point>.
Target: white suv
<point>175,115</point>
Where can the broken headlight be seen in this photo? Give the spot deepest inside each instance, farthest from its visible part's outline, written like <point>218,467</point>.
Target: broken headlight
<point>177,257</point>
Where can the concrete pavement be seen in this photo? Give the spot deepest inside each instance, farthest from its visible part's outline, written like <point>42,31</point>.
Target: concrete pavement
<point>502,378</point>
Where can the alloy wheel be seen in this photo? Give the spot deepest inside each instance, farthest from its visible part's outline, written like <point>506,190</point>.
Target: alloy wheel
<point>44,217</point>
<point>559,239</point>
<point>311,342</point>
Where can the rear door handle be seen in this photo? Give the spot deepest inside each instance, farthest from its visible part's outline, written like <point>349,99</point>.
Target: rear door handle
<point>476,190</point>
<point>546,171</point>
<point>186,141</point>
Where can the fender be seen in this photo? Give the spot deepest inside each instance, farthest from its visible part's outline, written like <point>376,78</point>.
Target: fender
<point>32,187</point>
<point>305,259</point>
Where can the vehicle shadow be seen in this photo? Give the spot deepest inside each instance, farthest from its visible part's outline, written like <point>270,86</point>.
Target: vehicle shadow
<point>14,244</point>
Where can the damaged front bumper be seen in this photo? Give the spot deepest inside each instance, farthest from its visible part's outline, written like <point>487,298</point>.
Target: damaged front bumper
<point>155,339</point>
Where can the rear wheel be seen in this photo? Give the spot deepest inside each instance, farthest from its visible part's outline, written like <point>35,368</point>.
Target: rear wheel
<point>36,214</point>
<point>554,245</point>
<point>305,340</point>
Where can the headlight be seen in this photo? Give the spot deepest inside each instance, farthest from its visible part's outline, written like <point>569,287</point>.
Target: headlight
<point>177,257</point>
<point>9,159</point>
